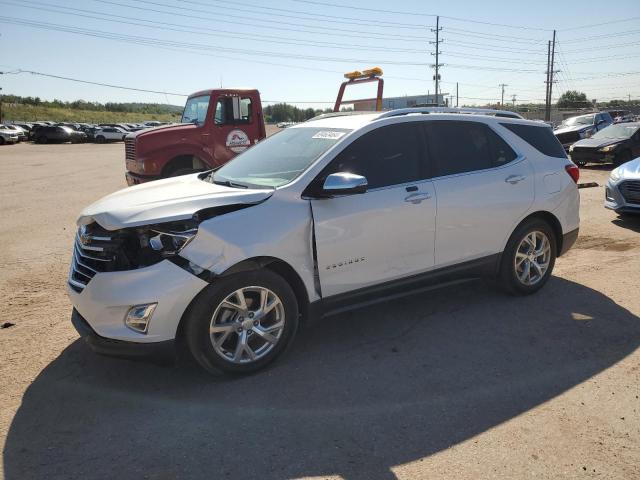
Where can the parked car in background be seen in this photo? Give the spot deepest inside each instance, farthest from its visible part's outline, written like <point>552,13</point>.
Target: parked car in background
<point>615,144</point>
<point>22,134</point>
<point>27,127</point>
<point>622,193</point>
<point>583,126</point>
<point>629,117</point>
<point>8,136</point>
<point>57,134</point>
<point>346,209</point>
<point>110,134</point>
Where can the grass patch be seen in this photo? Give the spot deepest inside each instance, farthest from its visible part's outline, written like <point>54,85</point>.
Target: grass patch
<point>17,112</point>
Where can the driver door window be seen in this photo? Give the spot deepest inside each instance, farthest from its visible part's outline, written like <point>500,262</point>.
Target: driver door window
<point>233,111</point>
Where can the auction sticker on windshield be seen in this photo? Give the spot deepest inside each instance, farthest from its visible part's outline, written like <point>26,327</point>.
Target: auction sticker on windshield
<point>237,141</point>
<point>329,134</point>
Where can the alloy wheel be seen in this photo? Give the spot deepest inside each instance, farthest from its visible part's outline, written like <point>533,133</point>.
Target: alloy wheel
<point>532,258</point>
<point>247,324</point>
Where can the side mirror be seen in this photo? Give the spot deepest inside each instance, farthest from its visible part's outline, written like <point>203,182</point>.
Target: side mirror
<point>344,183</point>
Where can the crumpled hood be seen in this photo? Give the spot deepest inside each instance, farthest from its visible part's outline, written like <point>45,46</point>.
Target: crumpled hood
<point>630,170</point>
<point>573,128</point>
<point>167,200</point>
<point>597,142</point>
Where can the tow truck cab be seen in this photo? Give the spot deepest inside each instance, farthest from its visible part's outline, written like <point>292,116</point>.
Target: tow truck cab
<point>216,125</point>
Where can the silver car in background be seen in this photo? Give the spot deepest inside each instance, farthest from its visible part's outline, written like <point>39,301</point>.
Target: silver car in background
<point>622,193</point>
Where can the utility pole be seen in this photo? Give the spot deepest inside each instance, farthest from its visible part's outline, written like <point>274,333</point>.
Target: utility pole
<point>502,98</point>
<point>457,95</point>
<point>550,73</point>
<point>513,99</point>
<point>437,43</point>
<point>546,82</point>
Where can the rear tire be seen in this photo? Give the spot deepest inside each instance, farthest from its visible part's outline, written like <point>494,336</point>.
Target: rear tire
<point>100,139</point>
<point>230,333</point>
<point>529,258</point>
<point>41,139</point>
<point>2,141</point>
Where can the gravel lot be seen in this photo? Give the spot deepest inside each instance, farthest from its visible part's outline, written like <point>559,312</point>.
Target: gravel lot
<point>462,384</point>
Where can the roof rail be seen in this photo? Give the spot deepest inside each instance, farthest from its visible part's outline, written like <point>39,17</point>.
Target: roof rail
<point>425,110</point>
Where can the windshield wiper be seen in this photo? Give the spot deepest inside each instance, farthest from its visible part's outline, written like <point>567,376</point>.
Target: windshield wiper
<point>228,183</point>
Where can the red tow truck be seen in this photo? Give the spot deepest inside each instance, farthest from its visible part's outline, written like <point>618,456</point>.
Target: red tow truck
<point>216,125</point>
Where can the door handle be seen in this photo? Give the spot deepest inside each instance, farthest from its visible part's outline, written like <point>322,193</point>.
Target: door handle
<point>513,179</point>
<point>416,198</point>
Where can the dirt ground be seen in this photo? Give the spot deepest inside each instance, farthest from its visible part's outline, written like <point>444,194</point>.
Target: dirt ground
<point>463,384</point>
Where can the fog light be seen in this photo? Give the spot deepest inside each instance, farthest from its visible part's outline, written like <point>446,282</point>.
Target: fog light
<point>138,317</point>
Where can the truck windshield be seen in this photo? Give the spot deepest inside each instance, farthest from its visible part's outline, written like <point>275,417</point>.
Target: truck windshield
<point>279,159</point>
<point>195,111</point>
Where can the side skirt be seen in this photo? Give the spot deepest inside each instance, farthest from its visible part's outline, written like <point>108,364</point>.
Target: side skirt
<point>441,278</point>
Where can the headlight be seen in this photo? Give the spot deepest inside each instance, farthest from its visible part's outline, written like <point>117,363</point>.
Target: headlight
<point>608,148</point>
<point>571,149</point>
<point>170,242</point>
<point>615,175</point>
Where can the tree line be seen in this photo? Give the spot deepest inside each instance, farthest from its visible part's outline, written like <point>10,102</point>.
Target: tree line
<point>132,107</point>
<point>283,112</point>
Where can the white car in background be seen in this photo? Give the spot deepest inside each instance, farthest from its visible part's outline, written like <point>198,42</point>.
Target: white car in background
<point>110,134</point>
<point>327,215</point>
<point>8,136</point>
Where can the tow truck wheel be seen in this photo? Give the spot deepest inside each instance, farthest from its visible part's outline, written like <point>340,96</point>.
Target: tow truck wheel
<point>241,323</point>
<point>181,171</point>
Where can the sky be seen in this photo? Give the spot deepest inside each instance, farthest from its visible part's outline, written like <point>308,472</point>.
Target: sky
<point>297,50</point>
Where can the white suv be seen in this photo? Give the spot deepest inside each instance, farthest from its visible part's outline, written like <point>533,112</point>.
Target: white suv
<point>335,213</point>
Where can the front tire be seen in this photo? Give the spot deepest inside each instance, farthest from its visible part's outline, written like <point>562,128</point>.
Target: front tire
<point>529,258</point>
<point>100,139</point>
<point>241,323</point>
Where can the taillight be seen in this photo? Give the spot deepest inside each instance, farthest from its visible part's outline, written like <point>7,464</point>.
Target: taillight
<point>573,171</point>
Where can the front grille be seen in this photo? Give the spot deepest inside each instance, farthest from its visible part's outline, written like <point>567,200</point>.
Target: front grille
<point>630,190</point>
<point>130,148</point>
<point>569,137</point>
<point>94,250</point>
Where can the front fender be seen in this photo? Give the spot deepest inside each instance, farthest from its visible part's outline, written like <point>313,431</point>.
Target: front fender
<point>280,228</point>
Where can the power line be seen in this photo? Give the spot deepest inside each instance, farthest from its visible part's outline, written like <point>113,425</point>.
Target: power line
<point>244,18</point>
<point>344,33</point>
<point>600,24</point>
<point>121,19</point>
<point>140,40</point>
<point>332,18</point>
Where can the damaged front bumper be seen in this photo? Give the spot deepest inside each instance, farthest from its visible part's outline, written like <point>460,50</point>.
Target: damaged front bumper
<point>106,299</point>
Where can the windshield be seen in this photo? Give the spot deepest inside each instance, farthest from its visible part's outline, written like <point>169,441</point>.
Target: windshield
<point>195,111</point>
<point>617,131</point>
<point>586,120</point>
<point>279,159</point>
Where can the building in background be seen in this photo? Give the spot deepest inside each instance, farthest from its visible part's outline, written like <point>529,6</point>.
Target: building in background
<point>406,101</point>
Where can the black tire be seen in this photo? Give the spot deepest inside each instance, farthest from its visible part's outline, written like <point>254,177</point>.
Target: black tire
<point>508,276</point>
<point>2,141</point>
<point>622,157</point>
<point>100,139</point>
<point>199,316</point>
<point>41,139</point>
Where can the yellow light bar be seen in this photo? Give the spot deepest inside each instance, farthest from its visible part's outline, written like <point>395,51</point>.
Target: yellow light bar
<point>353,75</point>
<point>372,72</point>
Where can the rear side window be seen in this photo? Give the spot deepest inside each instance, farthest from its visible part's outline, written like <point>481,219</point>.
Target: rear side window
<point>389,155</point>
<point>459,147</point>
<point>541,138</point>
